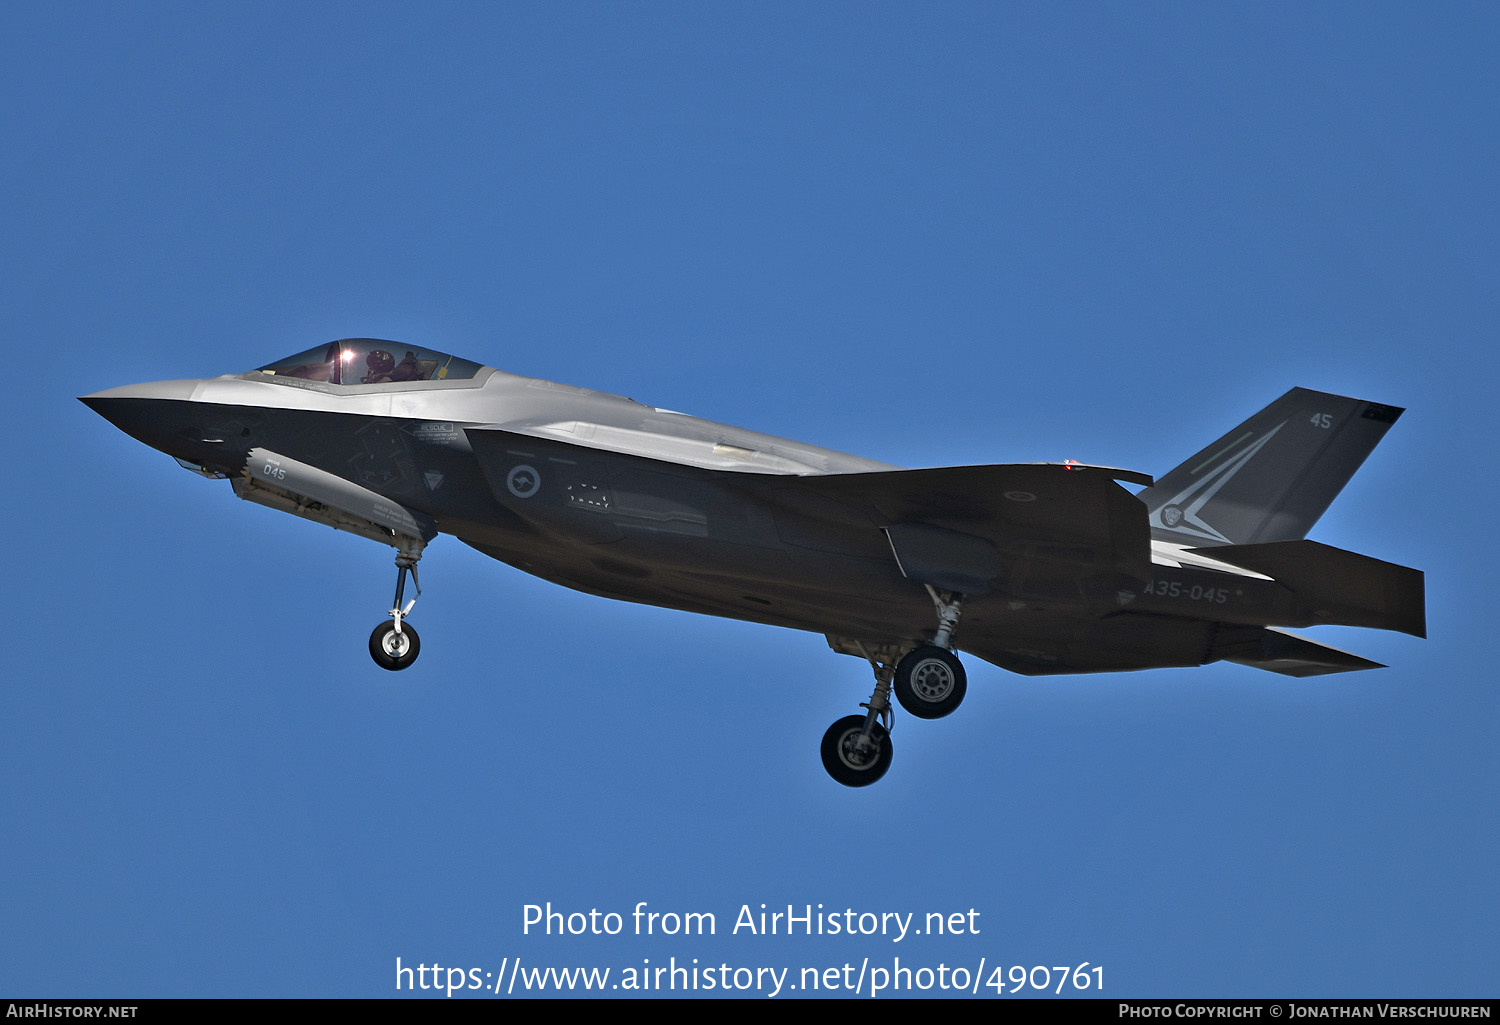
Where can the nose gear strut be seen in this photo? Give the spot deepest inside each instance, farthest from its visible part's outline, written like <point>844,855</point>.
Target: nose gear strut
<point>395,645</point>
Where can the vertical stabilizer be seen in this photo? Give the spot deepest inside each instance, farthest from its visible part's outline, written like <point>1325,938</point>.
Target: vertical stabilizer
<point>1271,477</point>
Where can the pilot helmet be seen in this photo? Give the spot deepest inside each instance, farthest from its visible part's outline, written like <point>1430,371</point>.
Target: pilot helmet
<point>380,362</point>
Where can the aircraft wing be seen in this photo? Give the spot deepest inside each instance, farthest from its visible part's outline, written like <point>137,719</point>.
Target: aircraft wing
<point>1049,529</point>
<point>958,527</point>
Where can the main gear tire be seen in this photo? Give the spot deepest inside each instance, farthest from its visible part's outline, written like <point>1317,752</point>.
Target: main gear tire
<point>930,682</point>
<point>851,762</point>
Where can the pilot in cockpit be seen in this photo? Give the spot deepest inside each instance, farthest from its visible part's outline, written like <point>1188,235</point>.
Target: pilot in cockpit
<point>409,369</point>
<point>379,365</point>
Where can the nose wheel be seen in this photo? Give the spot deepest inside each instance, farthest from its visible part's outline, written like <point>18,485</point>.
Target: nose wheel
<point>394,649</point>
<point>395,645</point>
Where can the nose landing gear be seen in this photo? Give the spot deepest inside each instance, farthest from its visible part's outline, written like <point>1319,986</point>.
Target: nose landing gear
<point>395,645</point>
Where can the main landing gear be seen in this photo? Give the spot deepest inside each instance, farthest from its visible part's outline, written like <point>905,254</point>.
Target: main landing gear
<point>929,682</point>
<point>857,748</point>
<point>395,645</point>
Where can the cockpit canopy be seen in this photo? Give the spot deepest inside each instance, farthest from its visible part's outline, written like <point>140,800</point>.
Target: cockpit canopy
<point>362,361</point>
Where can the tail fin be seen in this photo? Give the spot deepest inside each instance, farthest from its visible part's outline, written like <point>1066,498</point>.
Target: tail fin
<point>1271,477</point>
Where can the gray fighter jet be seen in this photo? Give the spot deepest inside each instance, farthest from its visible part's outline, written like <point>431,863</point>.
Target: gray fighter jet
<point>1038,568</point>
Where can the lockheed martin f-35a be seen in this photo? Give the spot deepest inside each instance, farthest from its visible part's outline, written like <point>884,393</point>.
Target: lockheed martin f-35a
<point>1039,568</point>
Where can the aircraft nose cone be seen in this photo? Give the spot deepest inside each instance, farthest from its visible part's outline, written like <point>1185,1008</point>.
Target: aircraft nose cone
<point>157,414</point>
<point>179,390</point>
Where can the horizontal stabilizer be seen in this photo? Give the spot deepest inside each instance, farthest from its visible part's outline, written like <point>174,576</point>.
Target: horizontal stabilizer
<point>1337,586</point>
<point>1280,652</point>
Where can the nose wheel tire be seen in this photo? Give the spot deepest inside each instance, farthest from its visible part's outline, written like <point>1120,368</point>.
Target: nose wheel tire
<point>394,650</point>
<point>930,682</point>
<point>850,761</point>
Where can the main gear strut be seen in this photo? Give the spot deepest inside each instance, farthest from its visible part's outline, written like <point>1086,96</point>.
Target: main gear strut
<point>857,749</point>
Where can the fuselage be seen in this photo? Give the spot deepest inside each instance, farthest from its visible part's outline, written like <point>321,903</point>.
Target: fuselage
<point>607,495</point>
<point>1037,568</point>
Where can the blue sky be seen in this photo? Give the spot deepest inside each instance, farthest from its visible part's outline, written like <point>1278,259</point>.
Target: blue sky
<point>926,233</point>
